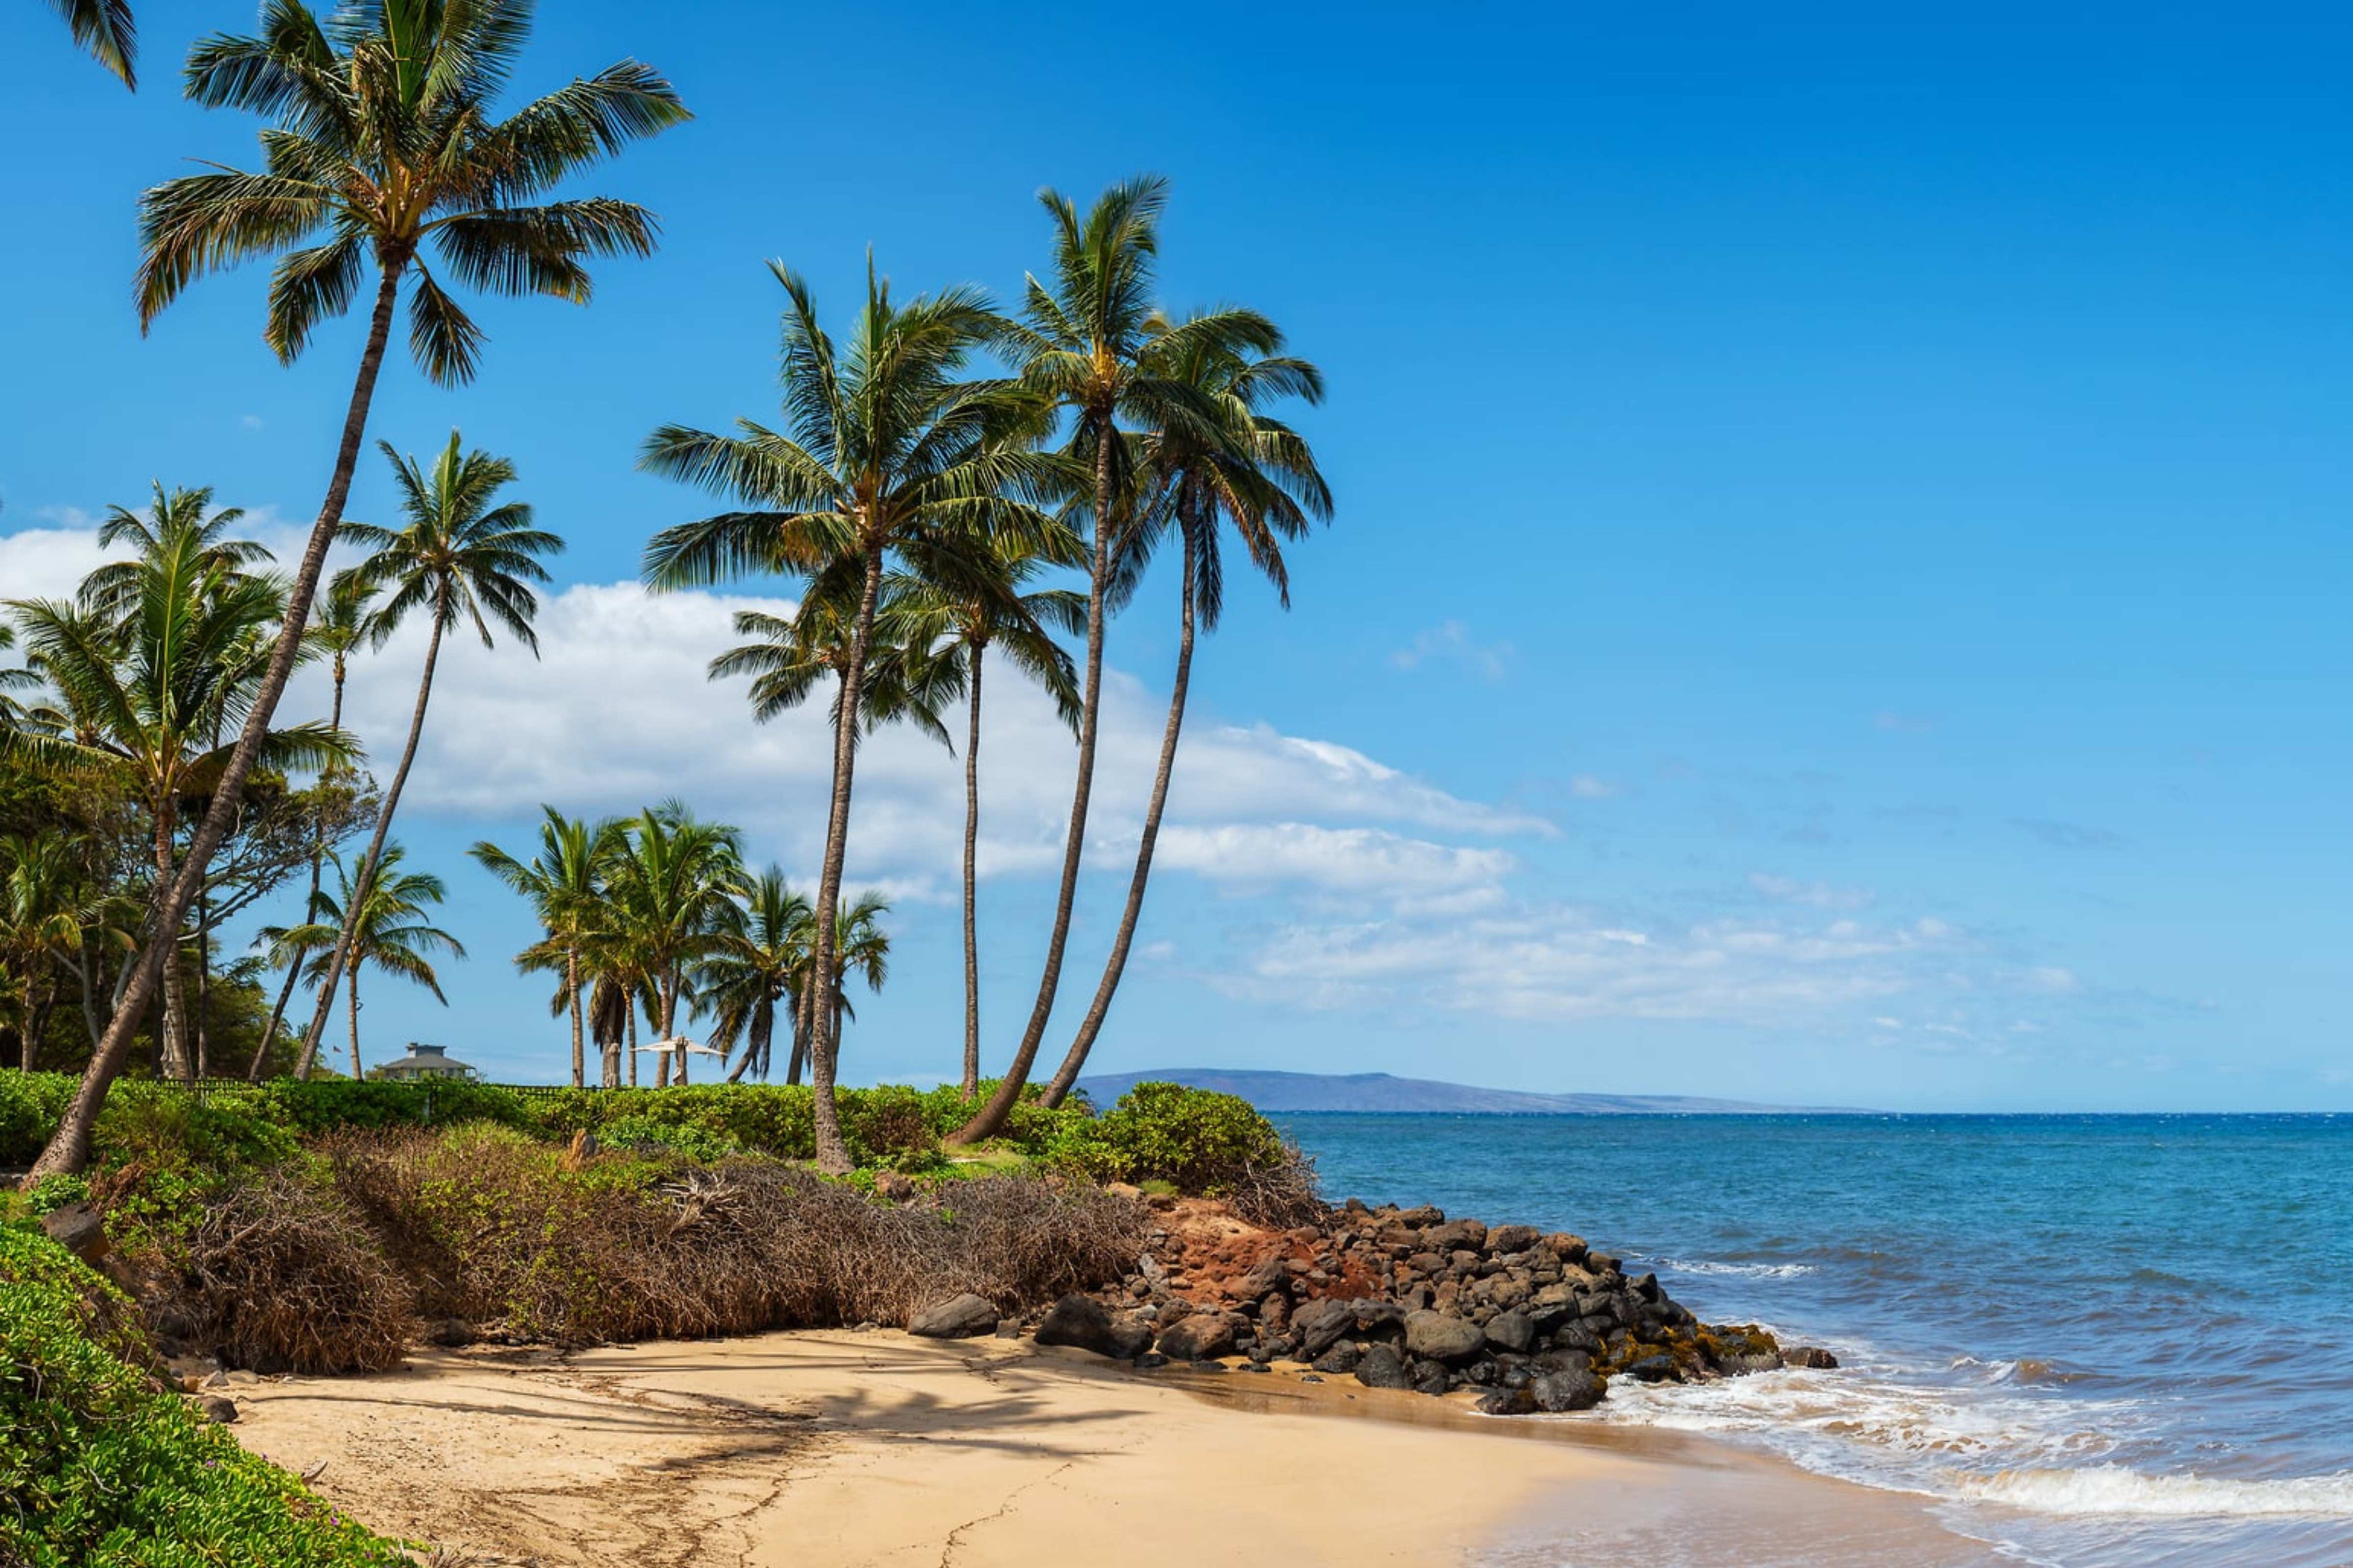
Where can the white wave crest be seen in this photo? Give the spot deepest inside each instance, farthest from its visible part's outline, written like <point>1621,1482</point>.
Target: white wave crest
<point>1739,1270</point>
<point>2114,1489</point>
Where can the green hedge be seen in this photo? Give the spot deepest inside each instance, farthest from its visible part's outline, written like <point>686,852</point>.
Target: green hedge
<point>101,1468</point>
<point>1195,1139</point>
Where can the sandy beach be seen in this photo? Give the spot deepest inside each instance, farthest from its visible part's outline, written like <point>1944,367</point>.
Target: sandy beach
<point>872,1447</point>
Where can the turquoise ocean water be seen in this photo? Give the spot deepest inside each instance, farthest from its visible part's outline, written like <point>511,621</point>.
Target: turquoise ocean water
<point>2093,1341</point>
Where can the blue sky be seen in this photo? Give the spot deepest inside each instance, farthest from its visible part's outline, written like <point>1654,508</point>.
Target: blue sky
<point>1836,593</point>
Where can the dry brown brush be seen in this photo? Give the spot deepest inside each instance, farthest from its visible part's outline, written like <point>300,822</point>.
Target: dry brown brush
<point>553,1245</point>
<point>280,1274</point>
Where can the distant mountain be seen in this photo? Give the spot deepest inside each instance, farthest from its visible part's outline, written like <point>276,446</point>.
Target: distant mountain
<point>1377,1091</point>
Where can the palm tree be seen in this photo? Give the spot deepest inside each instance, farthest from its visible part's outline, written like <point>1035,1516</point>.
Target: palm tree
<point>1252,472</point>
<point>384,140</point>
<point>112,588</point>
<point>760,958</point>
<point>43,912</point>
<point>461,557</point>
<point>143,690</point>
<point>13,677</point>
<point>957,627</point>
<point>562,882</point>
<point>865,952</point>
<point>890,455</point>
<point>668,878</point>
<point>791,654</point>
<point>386,918</point>
<point>335,633</point>
<point>104,29</point>
<point>1083,343</point>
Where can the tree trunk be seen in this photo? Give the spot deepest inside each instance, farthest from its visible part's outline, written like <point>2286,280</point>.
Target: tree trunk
<point>633,1042</point>
<point>310,905</point>
<point>669,1023</point>
<point>1008,1090</point>
<point>832,1153</point>
<point>69,1147</point>
<point>202,1015</point>
<point>362,883</point>
<point>800,1040</point>
<point>173,1038</point>
<point>358,1074</point>
<point>1091,1025</point>
<point>971,846</point>
<point>579,1048</point>
<point>28,1049</point>
<point>755,1039</point>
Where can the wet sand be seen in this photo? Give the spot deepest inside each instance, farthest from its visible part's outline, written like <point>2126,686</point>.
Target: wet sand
<point>856,1449</point>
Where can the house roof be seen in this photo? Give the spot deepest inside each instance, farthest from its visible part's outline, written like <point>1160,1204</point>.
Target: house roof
<point>428,1059</point>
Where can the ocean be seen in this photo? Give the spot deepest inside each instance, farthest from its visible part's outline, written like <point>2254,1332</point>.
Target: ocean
<point>2094,1341</point>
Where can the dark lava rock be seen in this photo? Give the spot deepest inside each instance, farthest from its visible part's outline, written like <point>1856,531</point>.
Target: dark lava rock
<point>1151,1359</point>
<point>1430,1377</point>
<point>1204,1336</point>
<point>1652,1369</point>
<point>1340,1359</point>
<point>1436,1337</point>
<point>1557,1391</point>
<point>1511,1331</point>
<point>450,1333</point>
<point>1423,1217</point>
<point>1382,1367</point>
<point>1009,1330</point>
<point>1319,1325</point>
<point>1809,1356</point>
<point>219,1408</point>
<point>1742,1365</point>
<point>1129,1338</point>
<point>1577,1337</point>
<point>893,1188</point>
<point>957,1317</point>
<point>1078,1321</point>
<point>1601,1263</point>
<point>78,1228</point>
<point>1506,1401</point>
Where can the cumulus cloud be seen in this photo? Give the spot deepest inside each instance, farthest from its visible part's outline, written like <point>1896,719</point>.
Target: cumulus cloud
<point>617,711</point>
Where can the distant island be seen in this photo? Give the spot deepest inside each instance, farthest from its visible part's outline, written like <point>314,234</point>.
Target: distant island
<point>1379,1092</point>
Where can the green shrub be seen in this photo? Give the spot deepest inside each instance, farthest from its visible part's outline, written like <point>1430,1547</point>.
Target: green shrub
<point>100,1469</point>
<point>31,1104</point>
<point>1200,1140</point>
<point>641,1132</point>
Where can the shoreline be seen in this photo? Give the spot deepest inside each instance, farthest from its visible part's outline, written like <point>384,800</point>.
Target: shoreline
<point>833,1445</point>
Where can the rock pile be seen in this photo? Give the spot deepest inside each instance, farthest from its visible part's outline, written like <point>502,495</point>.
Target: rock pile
<point>1405,1298</point>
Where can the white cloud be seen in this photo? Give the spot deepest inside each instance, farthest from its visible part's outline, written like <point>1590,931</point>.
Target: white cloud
<point>1819,895</point>
<point>1591,786</point>
<point>1353,859</point>
<point>1450,641</point>
<point>618,712</point>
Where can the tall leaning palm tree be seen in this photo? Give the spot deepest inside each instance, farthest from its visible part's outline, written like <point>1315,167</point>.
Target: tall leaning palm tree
<point>384,140</point>
<point>390,927</point>
<point>1085,344</point>
<point>463,556</point>
<point>1245,470</point>
<point>105,30</point>
<point>564,882</point>
<point>956,627</point>
<point>891,457</point>
<point>335,633</point>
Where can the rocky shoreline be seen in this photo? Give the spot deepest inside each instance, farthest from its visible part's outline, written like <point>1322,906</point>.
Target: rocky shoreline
<point>1403,1299</point>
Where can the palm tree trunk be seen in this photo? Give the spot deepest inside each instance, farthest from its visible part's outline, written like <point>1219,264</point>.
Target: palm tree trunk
<point>832,1151</point>
<point>971,907</point>
<point>579,1048</point>
<point>203,977</point>
<point>365,879</point>
<point>69,1147</point>
<point>318,862</point>
<point>358,1075</point>
<point>29,1047</point>
<point>173,1038</point>
<point>800,1040</point>
<point>1008,1090</point>
<point>670,1021</point>
<point>633,1042</point>
<point>1091,1025</point>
